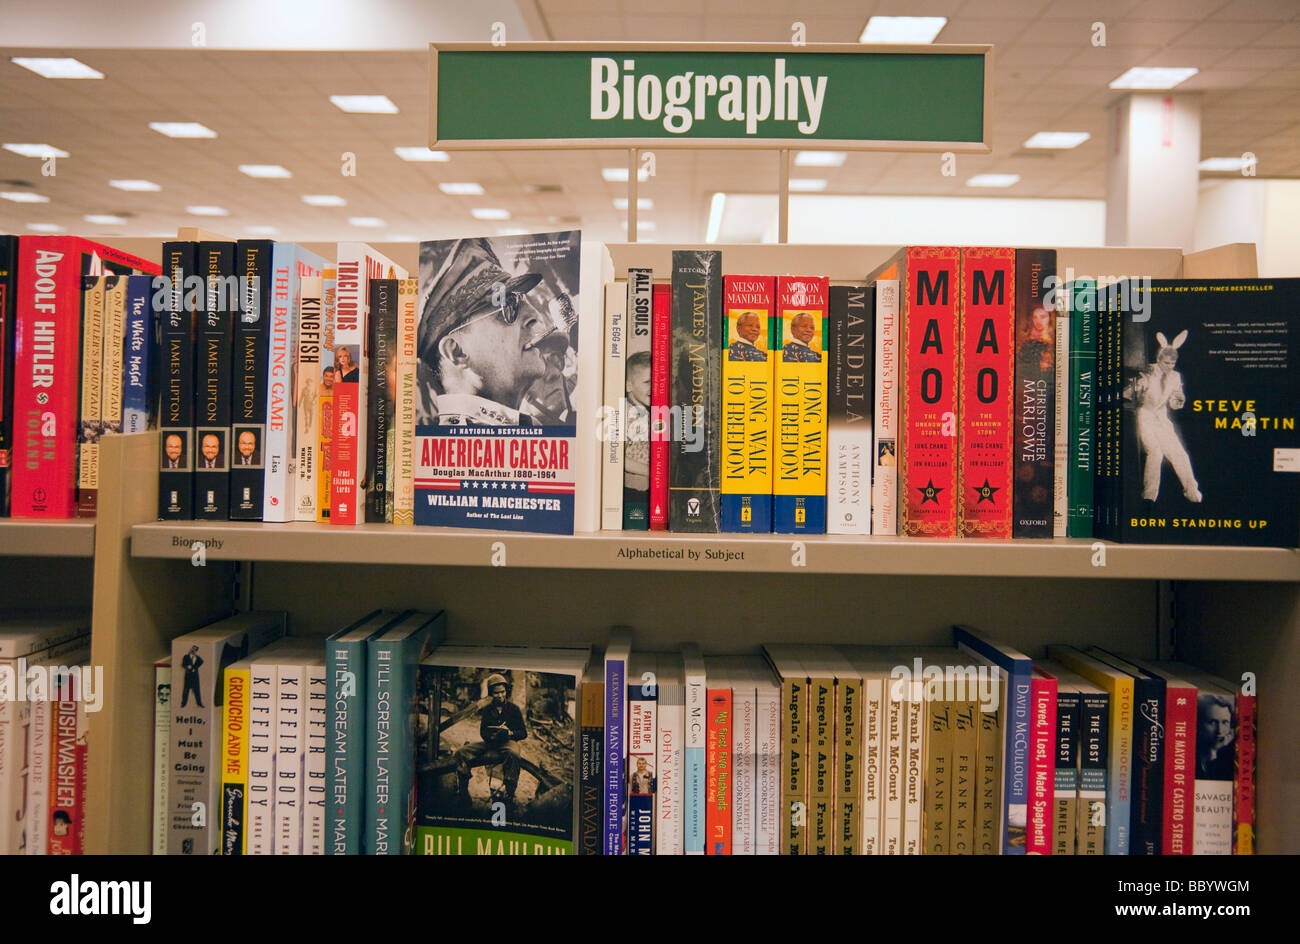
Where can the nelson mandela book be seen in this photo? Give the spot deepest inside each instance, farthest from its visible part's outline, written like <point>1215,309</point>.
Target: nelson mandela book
<point>1209,394</point>
<point>497,372</point>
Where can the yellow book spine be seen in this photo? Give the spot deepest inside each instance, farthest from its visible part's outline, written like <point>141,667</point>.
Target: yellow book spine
<point>234,762</point>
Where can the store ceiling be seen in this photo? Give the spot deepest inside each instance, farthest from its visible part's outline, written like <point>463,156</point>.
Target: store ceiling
<point>273,108</point>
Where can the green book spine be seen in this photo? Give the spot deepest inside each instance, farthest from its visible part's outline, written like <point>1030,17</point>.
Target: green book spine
<point>1083,372</point>
<point>346,664</point>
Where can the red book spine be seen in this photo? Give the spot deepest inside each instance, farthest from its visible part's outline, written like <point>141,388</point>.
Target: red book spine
<point>67,824</point>
<point>1180,752</point>
<point>661,346</point>
<point>930,311</point>
<point>986,371</point>
<point>1243,813</point>
<point>1042,763</point>
<point>717,774</point>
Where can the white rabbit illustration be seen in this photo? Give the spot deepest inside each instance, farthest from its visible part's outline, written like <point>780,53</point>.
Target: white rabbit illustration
<point>1159,389</point>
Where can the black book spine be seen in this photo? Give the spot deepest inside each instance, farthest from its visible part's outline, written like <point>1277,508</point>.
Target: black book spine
<point>382,397</point>
<point>176,368</point>
<point>1035,392</point>
<point>252,333</point>
<point>8,317</point>
<point>212,373</point>
<point>1094,773</point>
<point>694,483</point>
<point>1146,816</point>
<point>592,789</point>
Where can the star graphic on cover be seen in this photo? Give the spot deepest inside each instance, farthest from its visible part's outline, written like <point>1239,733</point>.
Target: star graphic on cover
<point>985,492</point>
<point>929,493</point>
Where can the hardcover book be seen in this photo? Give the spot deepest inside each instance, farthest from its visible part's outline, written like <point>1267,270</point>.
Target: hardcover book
<point>325,402</point>
<point>408,326</point>
<point>212,374</point>
<point>696,747</point>
<point>642,732</point>
<point>252,333</point>
<point>90,426</point>
<point>176,368</point>
<point>670,757</point>
<point>139,357</point>
<point>306,444</point>
<point>591,781</point>
<point>1035,394</point>
<point>795,773</point>
<point>498,345</point>
<point>850,454</point>
<point>614,421</point>
<point>1082,396</point>
<point>8,317</point>
<point>800,333</point>
<point>718,762</point>
<point>694,475</point>
<point>661,336</point>
<point>747,403</point>
<point>884,477</point>
<point>617,652</point>
<point>639,326</point>
<point>162,727</point>
<point>381,442</point>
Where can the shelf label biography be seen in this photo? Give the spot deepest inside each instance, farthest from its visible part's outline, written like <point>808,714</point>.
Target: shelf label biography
<point>548,95</point>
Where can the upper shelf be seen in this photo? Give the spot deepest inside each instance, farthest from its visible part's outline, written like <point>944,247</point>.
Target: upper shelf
<point>621,550</point>
<point>42,538</point>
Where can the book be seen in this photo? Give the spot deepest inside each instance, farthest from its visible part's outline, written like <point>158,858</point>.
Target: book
<point>325,450</point>
<point>1177,809</point>
<point>990,753</point>
<point>498,759</point>
<point>393,669</point>
<point>748,404</point>
<point>670,757</point>
<point>642,753</point>
<point>693,789</point>
<point>849,390</point>
<point>315,787</point>
<point>986,381</point>
<point>382,399</point>
<point>744,720</point>
<point>661,336</point>
<point>236,725</point>
<point>1062,404</point>
<point>251,343</point>
<point>307,391</point>
<point>1065,760</point>
<point>162,726</point>
<point>1035,395</point>
<point>614,421</point>
<point>795,720</point>
<point>139,355</point>
<point>291,667</point>
<point>66,823</point>
<point>767,763</point>
<point>408,321</point>
<point>693,468</point>
<point>617,651</point>
<point>874,670</point>
<point>90,425</point>
<point>799,445</point>
<point>591,782</point>
<point>884,475</point>
<point>8,317</point>
<point>1082,295</point>
<point>215,264</point>
<point>523,336</point>
<point>176,372</point>
<point>718,770</point>
<point>1041,816</point>
<point>639,328</point>
<point>965,773</point>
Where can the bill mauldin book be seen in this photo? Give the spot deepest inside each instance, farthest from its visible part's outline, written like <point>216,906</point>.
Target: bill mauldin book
<point>694,484</point>
<point>1035,394</point>
<point>497,422</point>
<point>747,403</point>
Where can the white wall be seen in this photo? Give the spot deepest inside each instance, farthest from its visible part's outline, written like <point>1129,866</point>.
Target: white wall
<point>1264,211</point>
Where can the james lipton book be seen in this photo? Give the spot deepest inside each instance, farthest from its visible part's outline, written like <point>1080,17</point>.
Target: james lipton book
<point>497,421</point>
<point>496,757</point>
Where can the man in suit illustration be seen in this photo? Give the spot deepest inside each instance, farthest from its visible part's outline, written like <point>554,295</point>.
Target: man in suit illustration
<point>190,663</point>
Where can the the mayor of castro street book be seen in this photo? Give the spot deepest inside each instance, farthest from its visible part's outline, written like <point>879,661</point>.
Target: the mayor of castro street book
<point>496,423</point>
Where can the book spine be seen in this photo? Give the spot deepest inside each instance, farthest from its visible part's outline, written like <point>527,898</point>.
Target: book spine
<point>1120,788</point>
<point>1094,749</point>
<point>848,766</point>
<point>794,777</point>
<point>1149,722</point>
<point>800,349</point>
<point>384,754</point>
<point>850,456</point>
<point>1065,786</point>
<point>914,771</point>
<point>694,475</point>
<point>176,367</point>
<point>249,376</point>
<point>1061,431</point>
<point>212,427</point>
<point>965,760</point>
<point>884,479</point>
<point>937,795</point>
<point>137,355</point>
<point>639,325</point>
<point>930,312</point>
<point>40,732</point>
<point>696,748</point>
<point>13,739</point>
<point>615,743</point>
<point>92,394</point>
<point>234,761</point>
<point>408,321</point>
<point>670,770</point>
<point>1042,765</point>
<point>1016,762</point>
<point>345,761</point>
<point>642,727</point>
<point>329,377</point>
<point>767,794</point>
<point>382,397</point>
<point>873,763</point>
<point>661,353</point>
<point>8,317</point>
<point>747,404</point>
<point>590,778</point>
<point>263,698</point>
<point>718,774</point>
<point>314,787</point>
<point>1035,395</point>
<point>1082,397</point>
<point>115,295</point>
<point>1243,817</point>
<point>742,768</point>
<point>67,771</point>
<point>162,726</point>
<point>988,774</point>
<point>986,378</point>
<point>1180,754</point>
<point>306,445</point>
<point>895,735</point>
<point>290,744</point>
<point>821,765</point>
<point>278,500</point>
<point>614,425</point>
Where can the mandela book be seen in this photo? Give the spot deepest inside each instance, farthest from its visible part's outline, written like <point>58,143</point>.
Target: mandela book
<point>747,402</point>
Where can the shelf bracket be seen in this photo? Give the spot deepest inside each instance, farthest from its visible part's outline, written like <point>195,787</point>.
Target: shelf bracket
<point>1166,620</point>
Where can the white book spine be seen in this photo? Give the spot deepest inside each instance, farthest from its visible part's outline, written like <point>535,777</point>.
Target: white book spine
<point>612,420</point>
<point>697,697</point>
<point>38,777</point>
<point>162,731</point>
<point>11,743</point>
<point>884,479</point>
<point>596,271</point>
<point>744,710</point>
<point>315,786</point>
<point>895,762</point>
<point>261,759</point>
<point>914,771</point>
<point>873,768</point>
<point>1061,453</point>
<point>278,477</point>
<point>767,795</point>
<point>408,329</point>
<point>307,399</point>
<point>290,742</point>
<point>668,812</point>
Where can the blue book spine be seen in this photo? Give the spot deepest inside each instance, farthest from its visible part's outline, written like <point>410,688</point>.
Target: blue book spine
<point>346,666</point>
<point>137,354</point>
<point>615,782</point>
<point>643,724</point>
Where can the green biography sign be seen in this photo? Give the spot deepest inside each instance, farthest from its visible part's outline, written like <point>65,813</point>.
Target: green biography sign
<point>616,95</point>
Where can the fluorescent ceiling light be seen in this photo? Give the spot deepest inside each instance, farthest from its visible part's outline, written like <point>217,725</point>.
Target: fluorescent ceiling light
<point>182,129</point>
<point>642,224</point>
<point>1140,77</point>
<point>902,29</point>
<point>619,174</point>
<point>715,217</point>
<point>25,196</point>
<point>261,230</point>
<point>104,219</point>
<point>323,200</point>
<point>45,227</point>
<point>264,170</point>
<point>466,189</point>
<point>372,222</point>
<point>806,184</point>
<point>36,150</point>
<point>1222,163</point>
<point>642,203</point>
<point>364,104</point>
<point>993,180</point>
<point>207,211</point>
<point>512,231</point>
<point>1057,140</point>
<point>819,159</point>
<point>141,185</point>
<point>421,154</point>
<point>58,68</point>
<point>490,213</point>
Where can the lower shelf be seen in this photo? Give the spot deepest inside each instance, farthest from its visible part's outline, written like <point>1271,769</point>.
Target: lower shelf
<point>21,537</point>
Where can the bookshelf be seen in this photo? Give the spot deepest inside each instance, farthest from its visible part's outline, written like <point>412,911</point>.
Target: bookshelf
<point>1231,610</point>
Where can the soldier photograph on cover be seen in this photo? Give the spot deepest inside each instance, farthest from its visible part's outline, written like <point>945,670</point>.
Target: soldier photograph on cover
<point>745,348</point>
<point>799,350</point>
<point>1156,390</point>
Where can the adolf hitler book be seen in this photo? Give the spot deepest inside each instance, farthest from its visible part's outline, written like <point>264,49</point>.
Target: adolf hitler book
<point>8,316</point>
<point>748,405</point>
<point>250,342</point>
<point>799,446</point>
<point>850,457</point>
<point>212,369</point>
<point>694,473</point>
<point>638,323</point>
<point>1035,394</point>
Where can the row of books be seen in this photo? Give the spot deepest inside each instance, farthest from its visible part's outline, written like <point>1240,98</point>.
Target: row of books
<point>972,392</point>
<point>46,689</point>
